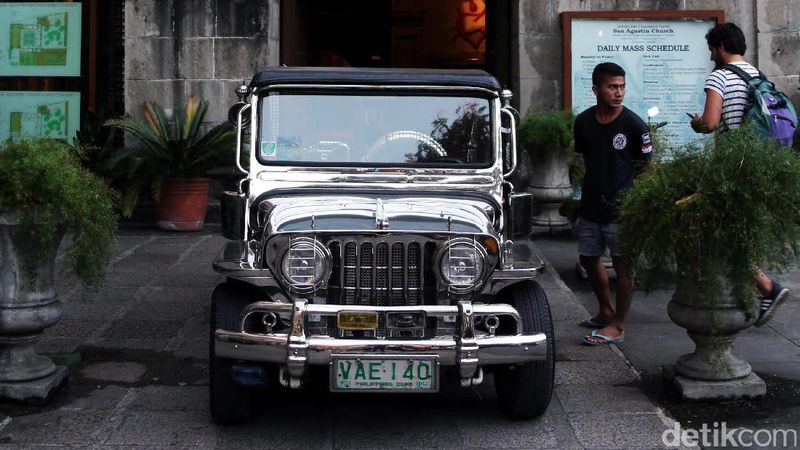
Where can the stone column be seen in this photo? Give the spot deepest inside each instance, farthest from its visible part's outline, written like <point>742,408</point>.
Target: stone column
<point>536,55</point>
<point>776,36</point>
<point>536,79</point>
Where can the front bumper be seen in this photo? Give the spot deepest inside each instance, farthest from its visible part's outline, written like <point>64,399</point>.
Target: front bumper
<point>295,350</point>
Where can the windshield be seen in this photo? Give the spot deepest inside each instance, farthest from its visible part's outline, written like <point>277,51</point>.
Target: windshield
<point>329,129</point>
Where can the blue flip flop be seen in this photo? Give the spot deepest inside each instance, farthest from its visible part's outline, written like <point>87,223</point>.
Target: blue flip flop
<point>589,322</point>
<point>606,340</point>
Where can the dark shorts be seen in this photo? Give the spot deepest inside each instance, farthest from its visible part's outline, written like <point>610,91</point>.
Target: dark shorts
<point>594,238</point>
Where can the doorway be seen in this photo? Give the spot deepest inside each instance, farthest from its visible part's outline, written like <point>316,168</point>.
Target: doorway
<point>444,34</point>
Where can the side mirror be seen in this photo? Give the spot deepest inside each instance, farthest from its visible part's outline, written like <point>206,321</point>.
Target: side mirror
<point>232,215</point>
<point>233,115</point>
<point>508,136</point>
<point>236,109</point>
<point>522,211</point>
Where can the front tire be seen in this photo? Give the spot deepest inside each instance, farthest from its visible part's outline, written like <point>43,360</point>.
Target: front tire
<point>229,402</point>
<point>524,391</point>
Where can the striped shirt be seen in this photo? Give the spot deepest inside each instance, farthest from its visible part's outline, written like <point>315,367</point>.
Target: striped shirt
<point>734,93</point>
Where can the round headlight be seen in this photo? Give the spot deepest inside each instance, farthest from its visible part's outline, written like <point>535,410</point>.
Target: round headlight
<point>305,263</point>
<point>462,263</point>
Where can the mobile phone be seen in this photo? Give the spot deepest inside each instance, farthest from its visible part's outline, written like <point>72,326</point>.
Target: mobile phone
<point>691,116</point>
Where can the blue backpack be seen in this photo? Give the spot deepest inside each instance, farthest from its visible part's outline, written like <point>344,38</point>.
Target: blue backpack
<point>769,110</point>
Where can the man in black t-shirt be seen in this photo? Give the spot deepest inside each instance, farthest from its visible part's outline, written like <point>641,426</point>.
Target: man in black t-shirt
<point>615,144</point>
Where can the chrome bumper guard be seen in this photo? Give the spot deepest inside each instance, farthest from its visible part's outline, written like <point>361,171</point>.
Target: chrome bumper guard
<point>296,350</point>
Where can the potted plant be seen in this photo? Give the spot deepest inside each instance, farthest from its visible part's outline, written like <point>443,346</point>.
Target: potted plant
<point>708,219</point>
<point>44,193</point>
<point>172,159</point>
<point>547,137</point>
<point>93,144</point>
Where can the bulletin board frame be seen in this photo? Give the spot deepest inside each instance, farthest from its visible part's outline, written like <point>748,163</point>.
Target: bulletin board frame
<point>664,54</point>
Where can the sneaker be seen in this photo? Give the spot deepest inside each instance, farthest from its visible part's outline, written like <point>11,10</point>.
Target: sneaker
<point>770,303</point>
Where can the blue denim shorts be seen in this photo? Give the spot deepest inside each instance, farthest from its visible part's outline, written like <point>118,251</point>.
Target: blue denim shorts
<point>593,238</point>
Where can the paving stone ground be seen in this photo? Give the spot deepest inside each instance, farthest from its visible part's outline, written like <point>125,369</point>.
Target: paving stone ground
<point>137,351</point>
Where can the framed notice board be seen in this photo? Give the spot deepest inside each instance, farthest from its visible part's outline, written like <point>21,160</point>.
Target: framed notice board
<point>28,114</point>
<point>40,39</point>
<point>664,54</point>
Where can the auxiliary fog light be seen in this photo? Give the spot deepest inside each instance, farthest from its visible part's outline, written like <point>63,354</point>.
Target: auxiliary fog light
<point>462,264</point>
<point>405,320</point>
<point>305,264</point>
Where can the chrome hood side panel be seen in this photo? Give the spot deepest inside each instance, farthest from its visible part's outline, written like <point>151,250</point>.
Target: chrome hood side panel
<point>367,213</point>
<point>344,183</point>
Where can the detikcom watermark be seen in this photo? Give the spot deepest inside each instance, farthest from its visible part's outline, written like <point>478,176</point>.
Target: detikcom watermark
<point>719,435</point>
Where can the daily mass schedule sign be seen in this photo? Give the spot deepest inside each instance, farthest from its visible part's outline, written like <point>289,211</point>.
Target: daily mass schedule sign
<point>666,63</point>
<point>40,39</point>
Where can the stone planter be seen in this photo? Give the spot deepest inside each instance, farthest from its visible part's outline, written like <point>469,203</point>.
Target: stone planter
<point>712,320</point>
<point>28,305</point>
<point>550,187</point>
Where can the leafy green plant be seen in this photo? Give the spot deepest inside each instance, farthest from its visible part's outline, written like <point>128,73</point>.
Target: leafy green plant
<point>715,213</point>
<point>169,150</point>
<point>659,140</point>
<point>93,145</point>
<point>547,131</point>
<point>43,182</point>
<point>552,132</point>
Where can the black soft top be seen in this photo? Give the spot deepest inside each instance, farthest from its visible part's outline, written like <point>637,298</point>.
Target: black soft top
<point>375,77</point>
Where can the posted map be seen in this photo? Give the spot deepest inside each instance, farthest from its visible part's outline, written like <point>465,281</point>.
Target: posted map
<point>40,39</point>
<point>53,115</point>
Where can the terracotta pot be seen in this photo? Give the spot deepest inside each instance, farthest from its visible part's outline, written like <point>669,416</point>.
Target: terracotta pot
<point>183,204</point>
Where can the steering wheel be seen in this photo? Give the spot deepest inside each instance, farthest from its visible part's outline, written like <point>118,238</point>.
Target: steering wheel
<point>404,134</point>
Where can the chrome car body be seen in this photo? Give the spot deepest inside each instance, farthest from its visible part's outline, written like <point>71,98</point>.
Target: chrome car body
<point>422,248</point>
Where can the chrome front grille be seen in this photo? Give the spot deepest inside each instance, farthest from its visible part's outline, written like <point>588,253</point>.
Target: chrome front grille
<point>376,272</point>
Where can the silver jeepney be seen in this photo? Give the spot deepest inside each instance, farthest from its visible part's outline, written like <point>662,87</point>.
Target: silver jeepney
<point>373,235</point>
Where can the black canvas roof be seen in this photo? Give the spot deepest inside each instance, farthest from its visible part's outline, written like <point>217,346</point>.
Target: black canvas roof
<point>375,76</point>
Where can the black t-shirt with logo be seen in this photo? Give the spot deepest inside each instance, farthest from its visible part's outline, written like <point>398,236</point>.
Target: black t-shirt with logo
<point>613,153</point>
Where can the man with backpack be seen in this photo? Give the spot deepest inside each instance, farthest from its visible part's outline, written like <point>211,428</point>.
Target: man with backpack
<point>733,97</point>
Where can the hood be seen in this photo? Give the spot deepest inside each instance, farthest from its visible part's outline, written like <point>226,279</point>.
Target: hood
<point>349,214</point>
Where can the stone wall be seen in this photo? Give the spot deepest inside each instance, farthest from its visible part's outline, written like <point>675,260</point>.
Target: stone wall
<point>175,48</point>
<point>778,44</point>
<point>178,48</point>
<point>771,28</point>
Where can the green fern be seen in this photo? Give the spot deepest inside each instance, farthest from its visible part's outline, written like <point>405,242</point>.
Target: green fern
<point>547,131</point>
<point>46,185</point>
<point>737,200</point>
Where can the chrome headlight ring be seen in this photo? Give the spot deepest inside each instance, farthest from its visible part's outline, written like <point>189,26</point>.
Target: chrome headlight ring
<point>305,265</point>
<point>462,264</point>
